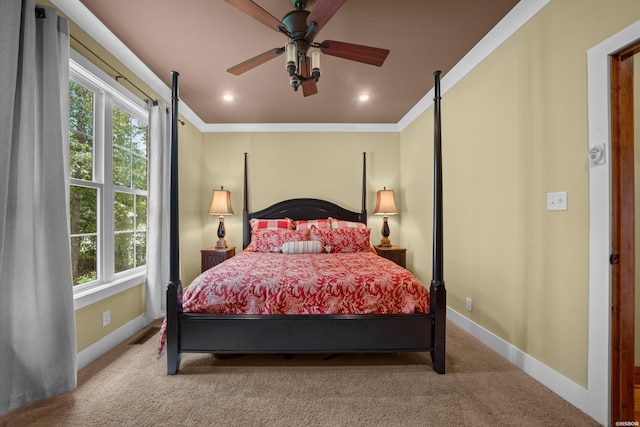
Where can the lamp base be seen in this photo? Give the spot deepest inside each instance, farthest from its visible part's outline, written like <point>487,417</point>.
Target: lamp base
<point>222,244</point>
<point>385,232</point>
<point>385,242</point>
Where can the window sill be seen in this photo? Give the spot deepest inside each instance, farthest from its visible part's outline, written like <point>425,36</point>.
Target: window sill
<point>97,293</point>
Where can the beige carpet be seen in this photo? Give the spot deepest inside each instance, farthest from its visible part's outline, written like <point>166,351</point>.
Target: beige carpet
<point>129,387</point>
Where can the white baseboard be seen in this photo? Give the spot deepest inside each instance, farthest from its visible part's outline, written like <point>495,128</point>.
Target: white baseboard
<point>100,347</point>
<point>558,383</point>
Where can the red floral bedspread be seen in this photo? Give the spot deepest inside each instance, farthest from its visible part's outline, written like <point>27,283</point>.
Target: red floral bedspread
<point>276,283</point>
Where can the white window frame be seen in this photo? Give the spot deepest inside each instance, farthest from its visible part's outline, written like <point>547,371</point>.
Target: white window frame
<point>107,93</point>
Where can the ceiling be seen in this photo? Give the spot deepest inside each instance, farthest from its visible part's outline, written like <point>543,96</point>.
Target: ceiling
<point>202,38</point>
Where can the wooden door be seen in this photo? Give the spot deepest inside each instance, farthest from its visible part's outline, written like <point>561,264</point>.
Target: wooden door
<point>622,236</point>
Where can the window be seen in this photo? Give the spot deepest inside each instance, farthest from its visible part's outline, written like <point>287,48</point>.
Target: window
<point>108,181</point>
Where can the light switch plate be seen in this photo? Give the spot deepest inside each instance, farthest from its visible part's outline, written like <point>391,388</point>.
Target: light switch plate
<point>557,201</point>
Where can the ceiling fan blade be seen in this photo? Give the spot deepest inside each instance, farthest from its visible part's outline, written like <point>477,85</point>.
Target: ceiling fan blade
<point>355,52</point>
<point>309,87</point>
<point>255,11</point>
<point>250,64</point>
<point>323,11</point>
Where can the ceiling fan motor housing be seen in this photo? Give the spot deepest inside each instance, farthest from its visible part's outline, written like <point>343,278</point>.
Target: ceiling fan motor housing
<point>296,23</point>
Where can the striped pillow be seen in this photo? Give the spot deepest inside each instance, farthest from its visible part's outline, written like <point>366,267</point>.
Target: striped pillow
<point>303,224</point>
<point>306,247</point>
<point>271,224</point>
<point>271,240</point>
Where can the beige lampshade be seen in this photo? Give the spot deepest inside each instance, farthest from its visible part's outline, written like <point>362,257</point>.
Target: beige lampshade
<point>221,203</point>
<point>385,205</point>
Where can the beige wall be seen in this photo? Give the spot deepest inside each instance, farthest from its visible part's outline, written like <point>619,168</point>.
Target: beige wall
<point>514,129</point>
<point>123,308</point>
<point>191,177</point>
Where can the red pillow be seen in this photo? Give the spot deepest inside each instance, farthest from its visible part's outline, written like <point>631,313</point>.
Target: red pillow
<point>279,224</point>
<point>343,239</point>
<point>271,240</point>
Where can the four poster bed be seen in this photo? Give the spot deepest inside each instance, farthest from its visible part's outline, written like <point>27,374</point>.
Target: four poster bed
<point>354,301</point>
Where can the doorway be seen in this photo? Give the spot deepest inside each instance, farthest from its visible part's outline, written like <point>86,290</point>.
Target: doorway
<point>608,392</point>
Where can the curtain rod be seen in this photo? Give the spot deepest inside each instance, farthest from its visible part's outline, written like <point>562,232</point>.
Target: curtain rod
<point>119,75</point>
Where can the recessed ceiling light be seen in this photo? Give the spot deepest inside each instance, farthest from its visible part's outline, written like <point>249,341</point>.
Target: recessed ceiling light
<point>228,98</point>
<point>363,97</point>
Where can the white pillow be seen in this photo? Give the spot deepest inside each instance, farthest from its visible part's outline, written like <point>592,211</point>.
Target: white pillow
<point>304,247</point>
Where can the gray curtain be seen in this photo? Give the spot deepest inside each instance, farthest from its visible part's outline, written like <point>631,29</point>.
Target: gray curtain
<point>37,328</point>
<point>158,209</point>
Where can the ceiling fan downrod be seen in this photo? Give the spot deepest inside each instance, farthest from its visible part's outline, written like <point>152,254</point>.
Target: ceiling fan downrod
<point>299,66</point>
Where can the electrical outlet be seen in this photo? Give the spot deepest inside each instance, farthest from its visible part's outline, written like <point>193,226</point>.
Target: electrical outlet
<point>557,201</point>
<point>106,318</point>
<point>469,305</point>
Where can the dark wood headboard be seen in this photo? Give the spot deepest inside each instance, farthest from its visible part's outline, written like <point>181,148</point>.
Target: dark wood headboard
<point>302,208</point>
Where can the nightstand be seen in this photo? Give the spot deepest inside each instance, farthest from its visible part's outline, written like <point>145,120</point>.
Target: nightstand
<point>214,256</point>
<point>395,253</point>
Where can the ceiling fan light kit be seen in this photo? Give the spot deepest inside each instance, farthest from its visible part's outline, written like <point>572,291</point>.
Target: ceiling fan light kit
<point>301,27</point>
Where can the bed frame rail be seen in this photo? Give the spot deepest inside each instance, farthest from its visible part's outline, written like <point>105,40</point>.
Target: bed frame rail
<point>305,333</point>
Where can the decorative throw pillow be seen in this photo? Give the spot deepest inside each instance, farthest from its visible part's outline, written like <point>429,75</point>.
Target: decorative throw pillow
<point>278,224</point>
<point>271,240</point>
<point>306,247</point>
<point>338,223</point>
<point>343,239</point>
<point>307,223</point>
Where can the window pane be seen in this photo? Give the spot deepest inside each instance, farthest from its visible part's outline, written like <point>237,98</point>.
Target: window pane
<point>123,212</point>
<point>81,156</point>
<point>83,223</point>
<point>138,137</point>
<point>141,213</point>
<point>141,248</point>
<point>121,167</point>
<point>124,251</point>
<point>121,128</point>
<point>129,151</point>
<point>83,210</point>
<point>80,132</point>
<point>139,173</point>
<point>84,259</point>
<point>80,109</point>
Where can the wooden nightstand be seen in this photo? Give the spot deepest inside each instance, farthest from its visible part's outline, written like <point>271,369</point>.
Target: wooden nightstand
<point>395,253</point>
<point>214,256</point>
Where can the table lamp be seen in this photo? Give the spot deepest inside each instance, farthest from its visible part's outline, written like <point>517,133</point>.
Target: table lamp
<point>385,205</point>
<point>221,205</point>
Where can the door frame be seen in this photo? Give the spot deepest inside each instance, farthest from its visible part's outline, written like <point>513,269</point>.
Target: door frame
<point>599,389</point>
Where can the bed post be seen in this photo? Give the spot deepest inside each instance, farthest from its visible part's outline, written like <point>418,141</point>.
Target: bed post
<point>174,288</point>
<point>245,207</point>
<point>364,188</point>
<point>438,291</point>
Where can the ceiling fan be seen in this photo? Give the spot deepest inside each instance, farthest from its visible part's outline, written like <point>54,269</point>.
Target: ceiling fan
<point>301,27</point>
